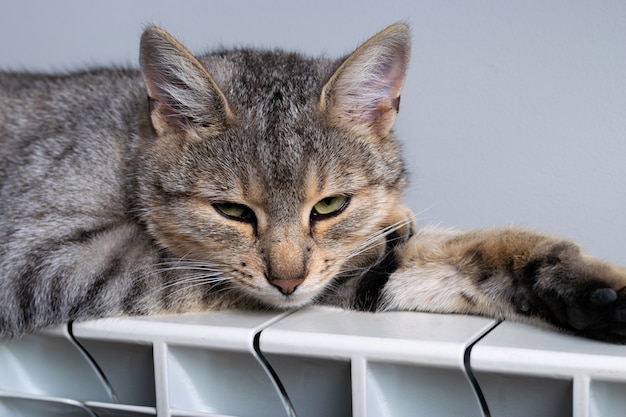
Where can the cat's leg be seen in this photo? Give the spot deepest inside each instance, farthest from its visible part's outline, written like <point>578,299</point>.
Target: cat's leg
<point>509,274</point>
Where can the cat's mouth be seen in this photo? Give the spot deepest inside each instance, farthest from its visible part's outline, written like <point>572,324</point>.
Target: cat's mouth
<point>364,287</point>
<point>285,302</point>
<point>291,293</point>
<point>285,294</point>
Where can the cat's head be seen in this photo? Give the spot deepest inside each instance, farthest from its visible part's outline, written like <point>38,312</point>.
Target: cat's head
<point>277,171</point>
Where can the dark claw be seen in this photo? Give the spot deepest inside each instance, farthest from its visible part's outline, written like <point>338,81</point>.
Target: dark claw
<point>579,319</point>
<point>621,333</point>
<point>620,314</point>
<point>522,302</point>
<point>602,296</point>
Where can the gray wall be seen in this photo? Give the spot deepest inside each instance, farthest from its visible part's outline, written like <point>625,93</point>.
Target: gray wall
<point>514,112</point>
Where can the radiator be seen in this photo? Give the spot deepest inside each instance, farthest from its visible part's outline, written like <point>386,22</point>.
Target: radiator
<point>315,362</point>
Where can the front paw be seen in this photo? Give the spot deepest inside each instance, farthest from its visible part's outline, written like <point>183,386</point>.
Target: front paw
<point>599,313</point>
<point>575,292</point>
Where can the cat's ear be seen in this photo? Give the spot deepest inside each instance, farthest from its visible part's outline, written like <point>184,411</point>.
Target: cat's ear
<point>181,91</point>
<point>364,92</point>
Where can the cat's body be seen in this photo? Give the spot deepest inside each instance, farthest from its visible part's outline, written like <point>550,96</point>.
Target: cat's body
<point>249,179</point>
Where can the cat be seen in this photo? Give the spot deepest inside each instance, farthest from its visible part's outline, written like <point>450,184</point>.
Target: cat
<point>248,179</point>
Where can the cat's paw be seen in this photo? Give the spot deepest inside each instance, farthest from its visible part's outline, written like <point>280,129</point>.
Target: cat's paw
<point>573,291</point>
<point>600,313</point>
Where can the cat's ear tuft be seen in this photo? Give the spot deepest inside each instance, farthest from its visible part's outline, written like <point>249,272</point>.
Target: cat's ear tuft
<point>364,92</point>
<point>181,91</point>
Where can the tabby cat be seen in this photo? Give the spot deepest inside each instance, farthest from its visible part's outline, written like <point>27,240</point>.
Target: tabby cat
<point>248,179</point>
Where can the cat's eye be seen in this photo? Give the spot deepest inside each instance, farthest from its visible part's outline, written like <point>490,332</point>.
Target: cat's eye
<point>235,211</point>
<point>330,206</point>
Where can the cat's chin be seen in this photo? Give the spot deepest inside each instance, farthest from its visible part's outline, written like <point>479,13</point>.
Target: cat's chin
<point>285,302</point>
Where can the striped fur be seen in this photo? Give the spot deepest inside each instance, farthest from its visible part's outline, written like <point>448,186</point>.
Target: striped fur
<point>249,179</point>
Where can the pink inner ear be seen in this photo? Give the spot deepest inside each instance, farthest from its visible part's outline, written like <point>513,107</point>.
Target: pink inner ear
<point>373,97</point>
<point>365,91</point>
<point>384,92</point>
<point>161,105</point>
<point>173,121</point>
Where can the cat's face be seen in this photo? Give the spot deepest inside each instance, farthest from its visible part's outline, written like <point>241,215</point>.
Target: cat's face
<point>272,172</point>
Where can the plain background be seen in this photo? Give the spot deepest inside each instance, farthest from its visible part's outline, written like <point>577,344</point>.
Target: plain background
<point>514,112</point>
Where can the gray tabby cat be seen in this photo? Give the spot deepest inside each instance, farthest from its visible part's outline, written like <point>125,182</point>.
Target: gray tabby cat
<point>250,179</point>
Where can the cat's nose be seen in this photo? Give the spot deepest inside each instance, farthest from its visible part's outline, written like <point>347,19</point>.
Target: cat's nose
<point>286,286</point>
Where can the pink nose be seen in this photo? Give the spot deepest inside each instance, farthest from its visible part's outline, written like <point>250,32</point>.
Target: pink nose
<point>287,286</point>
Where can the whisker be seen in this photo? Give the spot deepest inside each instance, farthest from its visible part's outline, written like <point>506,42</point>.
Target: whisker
<point>198,283</point>
<point>188,268</point>
<point>190,272</point>
<point>182,262</point>
<point>188,280</point>
<point>374,238</point>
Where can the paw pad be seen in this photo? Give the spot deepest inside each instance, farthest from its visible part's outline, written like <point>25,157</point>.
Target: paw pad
<point>602,296</point>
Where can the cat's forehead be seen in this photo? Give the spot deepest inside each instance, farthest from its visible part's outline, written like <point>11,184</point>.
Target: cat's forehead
<point>252,78</point>
<point>280,146</point>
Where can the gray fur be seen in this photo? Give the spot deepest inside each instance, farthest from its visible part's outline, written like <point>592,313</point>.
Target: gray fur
<point>92,193</point>
<point>250,179</point>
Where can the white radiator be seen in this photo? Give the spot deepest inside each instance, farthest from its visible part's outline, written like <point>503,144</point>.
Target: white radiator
<point>316,362</point>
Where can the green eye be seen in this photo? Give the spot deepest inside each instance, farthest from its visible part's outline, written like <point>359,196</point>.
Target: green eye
<point>330,205</point>
<point>235,211</point>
